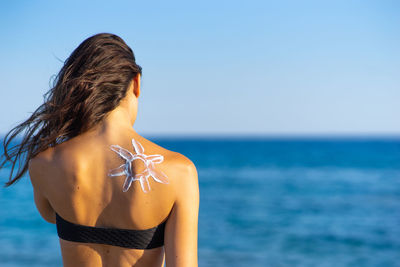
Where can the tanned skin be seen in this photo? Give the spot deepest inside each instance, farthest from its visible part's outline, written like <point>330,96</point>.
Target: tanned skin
<point>72,180</point>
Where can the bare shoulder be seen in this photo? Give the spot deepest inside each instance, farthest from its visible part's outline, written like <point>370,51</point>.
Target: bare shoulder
<point>186,177</point>
<point>38,168</point>
<point>184,164</point>
<point>178,161</point>
<point>173,157</point>
<point>46,166</point>
<point>39,163</point>
<point>180,167</point>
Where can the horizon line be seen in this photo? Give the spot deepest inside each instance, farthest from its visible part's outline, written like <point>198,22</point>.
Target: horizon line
<point>285,135</point>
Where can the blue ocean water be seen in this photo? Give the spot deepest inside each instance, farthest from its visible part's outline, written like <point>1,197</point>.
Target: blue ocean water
<point>263,202</point>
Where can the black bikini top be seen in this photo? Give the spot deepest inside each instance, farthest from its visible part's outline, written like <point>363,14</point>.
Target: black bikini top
<point>137,239</point>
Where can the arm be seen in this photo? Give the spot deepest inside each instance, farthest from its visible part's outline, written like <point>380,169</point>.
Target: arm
<point>42,204</point>
<point>181,229</point>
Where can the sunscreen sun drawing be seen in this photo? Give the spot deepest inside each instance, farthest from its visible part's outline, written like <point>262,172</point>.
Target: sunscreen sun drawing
<point>149,168</point>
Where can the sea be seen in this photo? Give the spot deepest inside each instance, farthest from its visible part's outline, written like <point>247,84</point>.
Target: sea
<point>264,201</point>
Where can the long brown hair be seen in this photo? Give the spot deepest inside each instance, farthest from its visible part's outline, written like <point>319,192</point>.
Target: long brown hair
<point>91,83</point>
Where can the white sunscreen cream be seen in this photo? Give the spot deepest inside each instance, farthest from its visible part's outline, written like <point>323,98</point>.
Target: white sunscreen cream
<point>149,169</point>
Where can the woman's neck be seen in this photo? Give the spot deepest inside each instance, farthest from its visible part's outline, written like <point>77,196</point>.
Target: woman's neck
<point>115,122</point>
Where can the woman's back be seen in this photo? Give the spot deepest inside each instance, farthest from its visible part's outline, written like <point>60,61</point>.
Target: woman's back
<point>117,198</point>
<point>74,177</point>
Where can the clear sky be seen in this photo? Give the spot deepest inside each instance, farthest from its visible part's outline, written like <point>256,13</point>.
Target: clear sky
<point>222,67</point>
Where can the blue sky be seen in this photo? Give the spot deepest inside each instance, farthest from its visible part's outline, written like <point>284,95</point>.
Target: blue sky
<point>222,67</point>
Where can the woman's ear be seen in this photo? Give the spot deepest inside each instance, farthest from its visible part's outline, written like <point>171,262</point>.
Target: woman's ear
<point>136,85</point>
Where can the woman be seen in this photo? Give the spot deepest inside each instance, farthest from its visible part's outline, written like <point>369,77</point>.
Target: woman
<point>117,198</point>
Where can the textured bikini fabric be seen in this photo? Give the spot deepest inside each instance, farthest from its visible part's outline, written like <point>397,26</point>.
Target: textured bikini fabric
<point>137,239</point>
